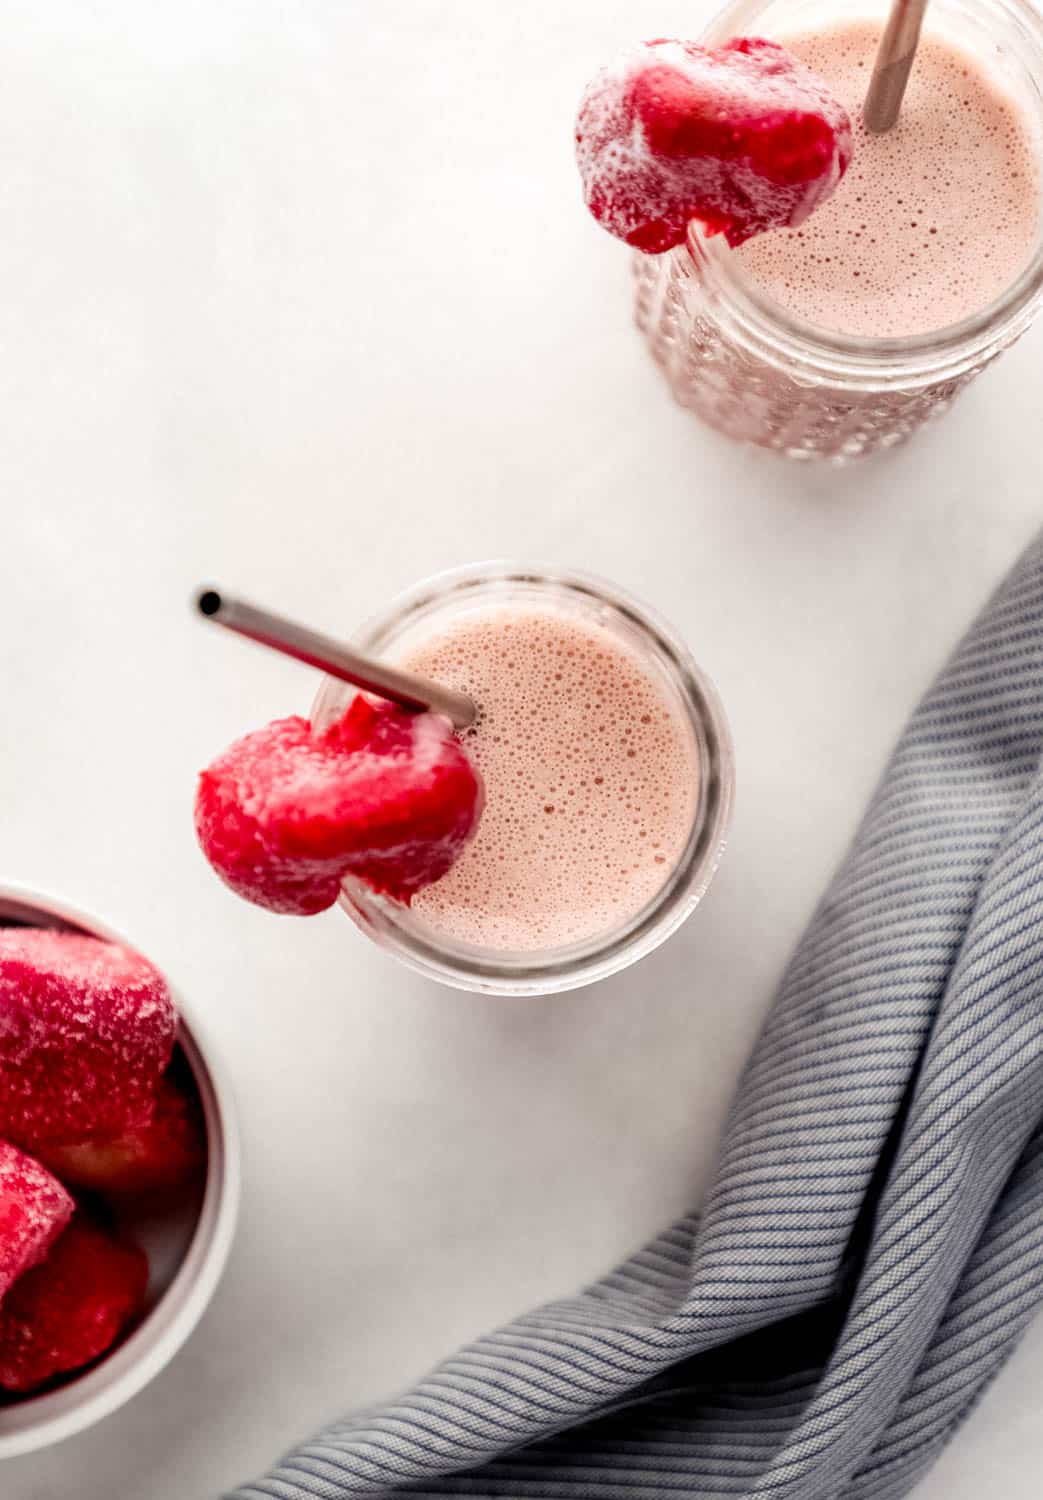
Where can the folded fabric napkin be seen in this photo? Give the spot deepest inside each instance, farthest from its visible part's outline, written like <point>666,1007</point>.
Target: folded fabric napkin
<point>872,1245</point>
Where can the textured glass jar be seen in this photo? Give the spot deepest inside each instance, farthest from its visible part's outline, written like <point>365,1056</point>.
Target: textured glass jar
<point>435,604</point>
<point>760,374</point>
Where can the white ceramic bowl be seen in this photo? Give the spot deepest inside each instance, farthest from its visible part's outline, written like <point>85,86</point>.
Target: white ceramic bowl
<point>187,1248</point>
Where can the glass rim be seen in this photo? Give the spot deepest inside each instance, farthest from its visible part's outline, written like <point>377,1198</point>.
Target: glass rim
<point>517,972</point>
<point>785,335</point>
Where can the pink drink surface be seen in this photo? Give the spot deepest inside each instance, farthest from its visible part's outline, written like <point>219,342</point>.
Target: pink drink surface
<point>591,779</point>
<point>934,218</point>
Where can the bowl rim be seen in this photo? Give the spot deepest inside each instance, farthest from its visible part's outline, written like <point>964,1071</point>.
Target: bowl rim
<point>44,1420</point>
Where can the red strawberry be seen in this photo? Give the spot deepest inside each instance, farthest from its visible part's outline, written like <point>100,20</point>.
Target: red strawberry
<point>743,138</point>
<point>163,1155</point>
<point>71,1309</point>
<point>385,795</point>
<point>34,1209</point>
<point>86,1032</point>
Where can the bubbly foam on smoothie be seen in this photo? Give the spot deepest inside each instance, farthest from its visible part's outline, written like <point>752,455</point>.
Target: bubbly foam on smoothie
<point>591,780</point>
<point>934,218</point>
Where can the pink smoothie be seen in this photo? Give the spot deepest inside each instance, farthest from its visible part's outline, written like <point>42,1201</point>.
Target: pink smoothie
<point>591,778</point>
<point>934,218</point>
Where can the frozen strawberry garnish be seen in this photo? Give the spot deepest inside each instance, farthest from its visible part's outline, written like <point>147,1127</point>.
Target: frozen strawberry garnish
<point>71,1309</point>
<point>34,1209</point>
<point>742,138</point>
<point>382,794</point>
<point>86,1032</point>
<point>165,1154</point>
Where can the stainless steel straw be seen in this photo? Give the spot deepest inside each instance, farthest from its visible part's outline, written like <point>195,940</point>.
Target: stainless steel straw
<point>333,657</point>
<point>894,62</point>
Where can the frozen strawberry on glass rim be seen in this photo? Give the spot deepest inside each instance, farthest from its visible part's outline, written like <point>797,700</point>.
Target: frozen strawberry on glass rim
<point>286,813</point>
<point>742,138</point>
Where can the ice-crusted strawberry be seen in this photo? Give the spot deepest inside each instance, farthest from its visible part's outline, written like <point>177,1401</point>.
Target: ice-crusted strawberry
<point>742,138</point>
<point>72,1308</point>
<point>34,1209</point>
<point>286,813</point>
<point>86,1032</point>
<point>160,1156</point>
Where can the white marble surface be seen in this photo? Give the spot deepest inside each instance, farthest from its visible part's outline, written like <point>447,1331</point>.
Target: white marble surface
<point>298,296</point>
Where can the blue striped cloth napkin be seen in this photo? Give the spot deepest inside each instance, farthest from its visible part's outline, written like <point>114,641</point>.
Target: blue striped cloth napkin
<point>872,1245</point>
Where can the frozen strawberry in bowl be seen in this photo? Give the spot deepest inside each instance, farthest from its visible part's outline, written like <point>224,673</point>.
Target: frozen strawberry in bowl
<point>162,1156</point>
<point>70,1309</point>
<point>381,794</point>
<point>34,1209</point>
<point>111,1248</point>
<point>86,1031</point>
<point>741,138</point>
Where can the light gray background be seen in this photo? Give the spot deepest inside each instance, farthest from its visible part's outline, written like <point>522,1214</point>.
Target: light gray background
<point>298,296</point>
